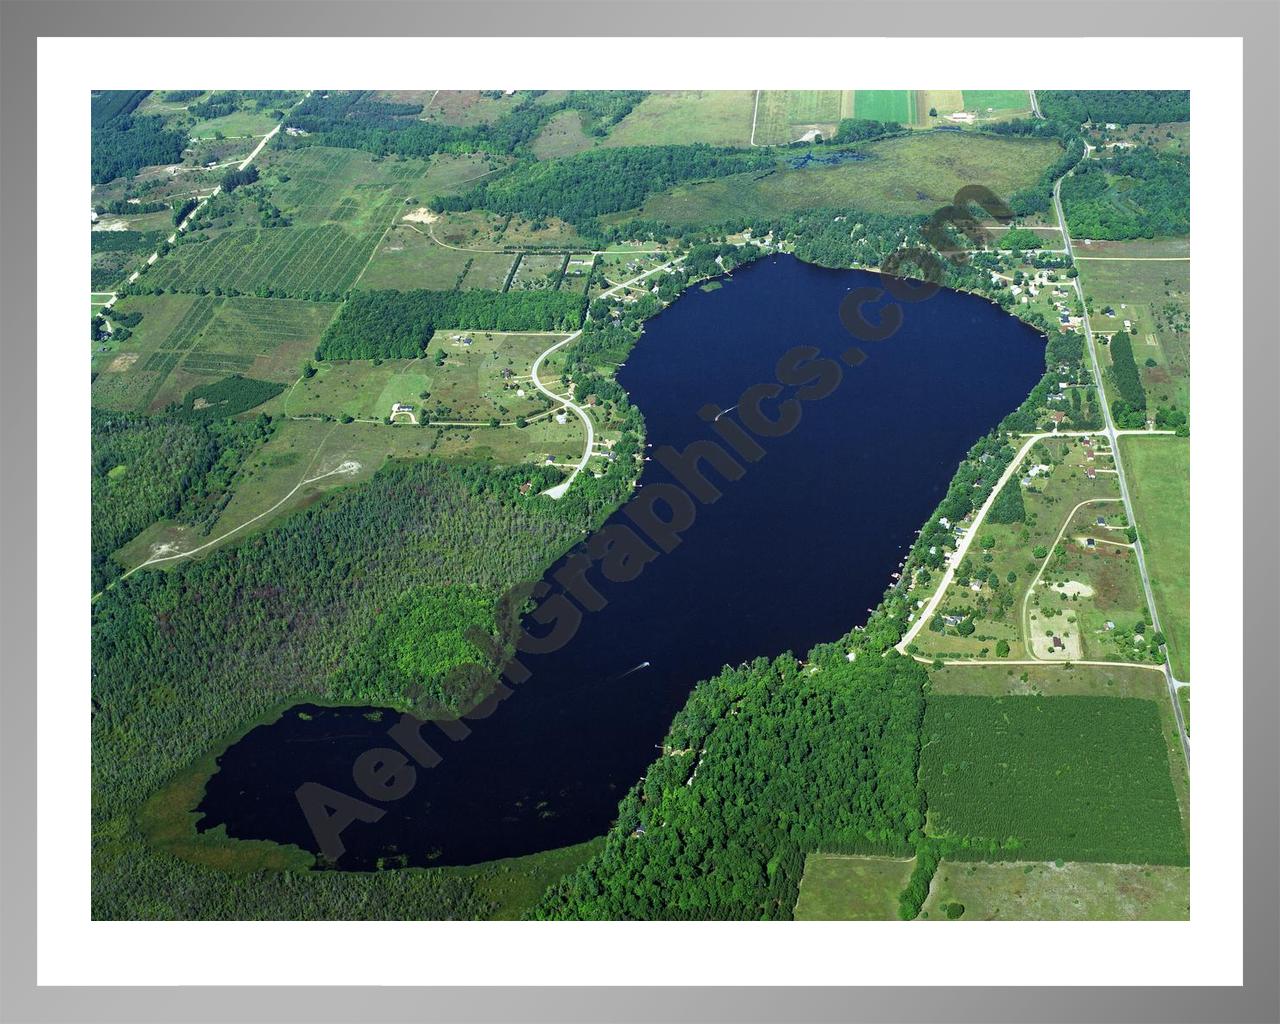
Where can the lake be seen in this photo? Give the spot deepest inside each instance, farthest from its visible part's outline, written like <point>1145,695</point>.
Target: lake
<point>794,553</point>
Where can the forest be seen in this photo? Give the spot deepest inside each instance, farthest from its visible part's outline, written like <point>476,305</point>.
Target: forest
<point>126,143</point>
<point>225,398</point>
<point>860,129</point>
<point>1136,193</point>
<point>1119,106</point>
<point>109,104</point>
<point>356,120</point>
<point>179,657</point>
<point>398,325</point>
<point>579,188</point>
<point>764,764</point>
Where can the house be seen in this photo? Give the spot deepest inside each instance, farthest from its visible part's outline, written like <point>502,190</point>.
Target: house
<point>953,620</point>
<point>1100,521</point>
<point>562,418</point>
<point>1057,417</point>
<point>506,373</point>
<point>1058,645</point>
<point>551,460</point>
<point>1109,625</point>
<point>400,407</point>
<point>526,487</point>
<point>1089,542</point>
<point>1090,472</point>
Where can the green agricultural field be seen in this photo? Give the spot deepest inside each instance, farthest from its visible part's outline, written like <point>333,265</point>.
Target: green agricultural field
<point>885,105</point>
<point>185,340</point>
<point>1060,892</point>
<point>1159,474</point>
<point>1079,680</point>
<point>843,888</point>
<point>996,101</point>
<point>786,116</point>
<point>716,117</point>
<point>340,203</point>
<point>1071,778</point>
<point>296,261</point>
<point>269,339</point>
<point>912,175</point>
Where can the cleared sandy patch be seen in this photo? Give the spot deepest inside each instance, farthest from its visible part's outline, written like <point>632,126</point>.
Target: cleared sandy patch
<point>421,216</point>
<point>1073,587</point>
<point>122,362</point>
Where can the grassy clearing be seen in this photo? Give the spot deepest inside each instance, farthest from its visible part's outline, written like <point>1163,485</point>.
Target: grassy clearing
<point>1159,473</point>
<point>1071,777</point>
<point>1184,698</point>
<point>843,888</point>
<point>562,136</point>
<point>911,175</point>
<point>1060,892</point>
<point>467,106</point>
<point>716,117</point>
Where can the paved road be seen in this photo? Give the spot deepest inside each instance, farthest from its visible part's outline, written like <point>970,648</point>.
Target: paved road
<point>1114,436</point>
<point>559,489</point>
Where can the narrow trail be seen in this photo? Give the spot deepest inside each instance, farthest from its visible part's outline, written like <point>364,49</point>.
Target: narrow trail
<point>345,469</point>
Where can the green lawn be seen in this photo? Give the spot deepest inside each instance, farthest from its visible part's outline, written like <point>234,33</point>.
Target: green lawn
<point>885,105</point>
<point>1069,892</point>
<point>1076,778</point>
<point>843,888</point>
<point>1159,473</point>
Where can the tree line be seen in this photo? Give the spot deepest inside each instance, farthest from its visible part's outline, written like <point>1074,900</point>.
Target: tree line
<point>1119,106</point>
<point>393,324</point>
<point>1136,193</point>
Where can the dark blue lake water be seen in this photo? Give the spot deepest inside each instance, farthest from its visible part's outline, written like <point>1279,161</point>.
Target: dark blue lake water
<point>793,554</point>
